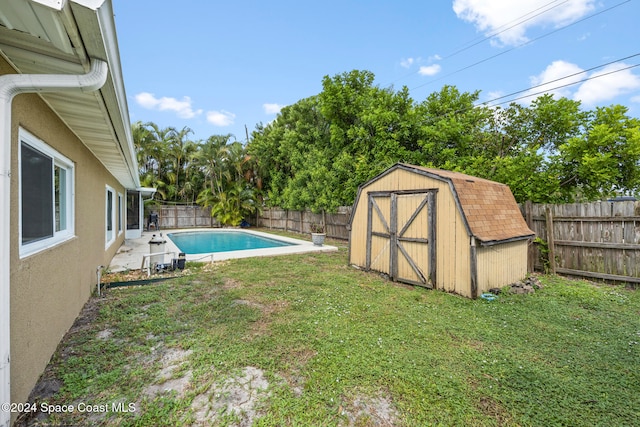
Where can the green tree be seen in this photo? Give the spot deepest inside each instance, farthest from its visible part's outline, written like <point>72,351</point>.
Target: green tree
<point>452,128</point>
<point>605,159</point>
<point>229,189</point>
<point>179,150</point>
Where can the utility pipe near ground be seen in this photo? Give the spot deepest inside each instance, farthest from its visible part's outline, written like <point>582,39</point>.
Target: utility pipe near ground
<point>10,86</point>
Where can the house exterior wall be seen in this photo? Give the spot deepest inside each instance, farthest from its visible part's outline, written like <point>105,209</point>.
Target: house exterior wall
<point>50,287</point>
<point>452,240</point>
<point>500,265</point>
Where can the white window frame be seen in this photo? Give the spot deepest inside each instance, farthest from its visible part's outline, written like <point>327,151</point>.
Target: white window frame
<point>121,216</point>
<point>57,160</point>
<point>110,235</point>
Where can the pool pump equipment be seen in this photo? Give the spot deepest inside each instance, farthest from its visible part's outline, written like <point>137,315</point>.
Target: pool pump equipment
<point>157,253</point>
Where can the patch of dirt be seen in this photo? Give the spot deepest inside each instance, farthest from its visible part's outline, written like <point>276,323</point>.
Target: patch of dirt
<point>297,360</point>
<point>376,411</point>
<point>490,407</point>
<point>105,334</point>
<point>237,398</point>
<point>171,360</point>
<point>261,326</point>
<point>231,284</point>
<point>87,316</point>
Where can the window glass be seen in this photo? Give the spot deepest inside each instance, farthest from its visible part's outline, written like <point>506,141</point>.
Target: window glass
<point>46,195</point>
<point>109,215</point>
<point>120,213</point>
<point>133,210</point>
<point>37,222</point>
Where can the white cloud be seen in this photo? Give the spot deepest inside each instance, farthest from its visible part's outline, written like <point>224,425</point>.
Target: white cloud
<point>407,63</point>
<point>494,95</point>
<point>220,118</point>
<point>272,108</point>
<point>601,86</point>
<point>549,80</point>
<point>512,18</point>
<point>182,108</point>
<point>635,99</point>
<point>430,70</point>
<point>605,87</point>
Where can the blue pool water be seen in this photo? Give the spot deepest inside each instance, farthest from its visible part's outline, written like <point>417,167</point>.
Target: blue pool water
<point>204,242</point>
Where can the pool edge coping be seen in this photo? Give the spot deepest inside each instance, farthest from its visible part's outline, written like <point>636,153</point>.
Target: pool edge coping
<point>298,246</point>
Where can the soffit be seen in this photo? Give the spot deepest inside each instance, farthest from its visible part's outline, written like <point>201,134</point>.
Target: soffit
<point>37,39</point>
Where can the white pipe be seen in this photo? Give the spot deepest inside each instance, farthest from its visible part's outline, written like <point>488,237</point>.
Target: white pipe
<point>10,86</point>
<point>99,273</point>
<point>146,256</point>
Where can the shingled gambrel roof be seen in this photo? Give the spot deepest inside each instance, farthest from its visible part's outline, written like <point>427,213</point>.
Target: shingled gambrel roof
<point>489,208</point>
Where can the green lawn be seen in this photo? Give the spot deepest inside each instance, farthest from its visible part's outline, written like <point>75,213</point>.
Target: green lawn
<point>308,341</point>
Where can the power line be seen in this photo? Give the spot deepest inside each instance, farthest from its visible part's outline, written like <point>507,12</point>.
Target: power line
<point>557,87</point>
<point>522,45</point>
<point>496,33</point>
<point>462,110</point>
<point>492,35</point>
<point>559,79</point>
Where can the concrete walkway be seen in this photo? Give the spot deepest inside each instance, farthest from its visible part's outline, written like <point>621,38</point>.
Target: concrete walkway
<point>131,254</point>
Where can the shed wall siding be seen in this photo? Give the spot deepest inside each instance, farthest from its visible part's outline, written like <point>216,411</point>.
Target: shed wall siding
<point>452,251</point>
<point>500,265</point>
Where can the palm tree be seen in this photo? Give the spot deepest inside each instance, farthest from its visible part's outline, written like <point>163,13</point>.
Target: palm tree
<point>228,191</point>
<point>179,150</point>
<point>211,158</point>
<point>160,140</point>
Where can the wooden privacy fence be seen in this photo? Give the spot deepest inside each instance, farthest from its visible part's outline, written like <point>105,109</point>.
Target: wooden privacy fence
<point>183,217</point>
<point>300,221</point>
<point>597,240</point>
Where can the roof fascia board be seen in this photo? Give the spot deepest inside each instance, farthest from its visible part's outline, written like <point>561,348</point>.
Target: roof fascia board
<point>363,186</point>
<point>96,27</point>
<point>499,242</point>
<point>410,168</point>
<point>452,187</point>
<point>52,4</point>
<point>90,4</point>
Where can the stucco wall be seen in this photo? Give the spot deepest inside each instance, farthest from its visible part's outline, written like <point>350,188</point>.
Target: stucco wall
<point>49,288</point>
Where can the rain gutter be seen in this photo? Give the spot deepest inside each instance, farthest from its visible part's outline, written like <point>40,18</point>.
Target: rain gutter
<point>10,86</point>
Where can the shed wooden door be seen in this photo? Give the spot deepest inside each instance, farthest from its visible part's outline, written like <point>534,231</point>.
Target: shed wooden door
<point>401,235</point>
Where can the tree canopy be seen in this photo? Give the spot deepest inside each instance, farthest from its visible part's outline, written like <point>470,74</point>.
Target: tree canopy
<point>216,173</point>
<point>320,149</point>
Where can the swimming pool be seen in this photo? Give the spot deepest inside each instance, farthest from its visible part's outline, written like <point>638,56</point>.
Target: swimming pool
<point>213,241</point>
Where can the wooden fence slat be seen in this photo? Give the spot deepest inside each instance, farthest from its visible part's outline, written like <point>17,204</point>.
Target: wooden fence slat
<point>550,238</point>
<point>600,239</point>
<point>301,221</point>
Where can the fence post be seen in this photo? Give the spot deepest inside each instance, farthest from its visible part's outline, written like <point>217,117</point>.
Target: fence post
<point>531,252</point>
<point>324,222</point>
<point>551,241</point>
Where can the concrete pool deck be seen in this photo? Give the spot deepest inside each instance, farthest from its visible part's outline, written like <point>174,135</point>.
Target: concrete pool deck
<point>132,252</point>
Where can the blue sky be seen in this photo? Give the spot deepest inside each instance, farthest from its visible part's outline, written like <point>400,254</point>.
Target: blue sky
<point>217,66</point>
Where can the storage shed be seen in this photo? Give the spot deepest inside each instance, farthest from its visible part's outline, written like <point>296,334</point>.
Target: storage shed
<point>439,229</point>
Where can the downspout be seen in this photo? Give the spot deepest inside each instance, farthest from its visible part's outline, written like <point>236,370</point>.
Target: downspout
<point>10,86</point>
